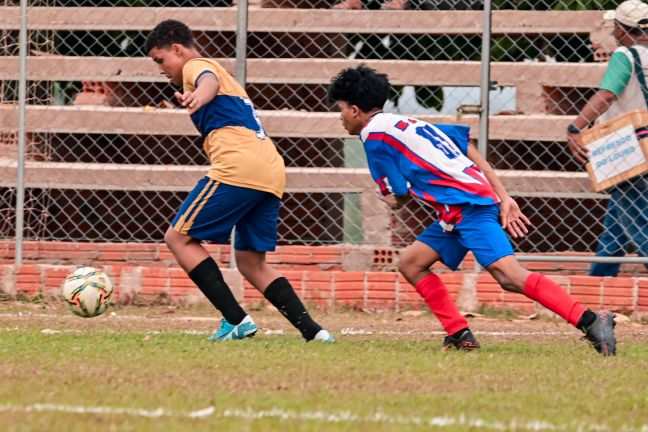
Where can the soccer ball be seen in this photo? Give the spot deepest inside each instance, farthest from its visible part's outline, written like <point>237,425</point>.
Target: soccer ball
<point>87,292</point>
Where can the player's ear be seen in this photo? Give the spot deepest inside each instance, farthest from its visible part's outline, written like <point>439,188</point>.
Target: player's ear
<point>176,49</point>
<point>355,110</point>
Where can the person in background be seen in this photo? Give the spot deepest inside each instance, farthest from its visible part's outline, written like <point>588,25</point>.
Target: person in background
<point>623,89</point>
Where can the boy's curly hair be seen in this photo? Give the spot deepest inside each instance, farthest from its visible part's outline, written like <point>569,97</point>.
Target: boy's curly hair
<point>360,86</point>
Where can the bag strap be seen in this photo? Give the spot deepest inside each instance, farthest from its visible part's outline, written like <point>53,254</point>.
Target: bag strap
<point>640,75</point>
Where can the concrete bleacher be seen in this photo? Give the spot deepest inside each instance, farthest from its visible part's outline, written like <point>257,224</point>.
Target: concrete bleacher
<point>537,119</point>
<point>304,20</point>
<point>532,80</point>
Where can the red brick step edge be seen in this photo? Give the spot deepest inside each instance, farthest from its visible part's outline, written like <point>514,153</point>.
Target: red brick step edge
<point>362,290</point>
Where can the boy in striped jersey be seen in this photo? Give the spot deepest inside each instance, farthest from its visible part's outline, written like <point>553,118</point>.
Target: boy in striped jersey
<point>436,164</point>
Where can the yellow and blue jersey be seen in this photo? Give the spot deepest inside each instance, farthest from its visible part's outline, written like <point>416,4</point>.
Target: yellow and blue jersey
<point>240,152</point>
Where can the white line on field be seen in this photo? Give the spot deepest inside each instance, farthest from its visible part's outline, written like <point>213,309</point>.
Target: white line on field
<point>359,331</point>
<point>321,416</point>
<point>137,412</point>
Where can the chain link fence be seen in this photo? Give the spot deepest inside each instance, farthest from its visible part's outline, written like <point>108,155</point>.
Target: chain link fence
<point>110,157</point>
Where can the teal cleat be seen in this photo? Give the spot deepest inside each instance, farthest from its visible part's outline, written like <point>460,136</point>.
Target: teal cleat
<point>227,331</point>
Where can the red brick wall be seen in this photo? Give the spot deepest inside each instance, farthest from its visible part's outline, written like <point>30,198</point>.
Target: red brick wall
<point>362,290</point>
<point>285,258</point>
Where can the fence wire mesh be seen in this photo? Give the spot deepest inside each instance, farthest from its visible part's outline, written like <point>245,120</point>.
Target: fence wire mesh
<point>95,98</point>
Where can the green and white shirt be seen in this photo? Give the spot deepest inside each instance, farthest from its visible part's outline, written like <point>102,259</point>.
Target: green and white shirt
<point>620,78</point>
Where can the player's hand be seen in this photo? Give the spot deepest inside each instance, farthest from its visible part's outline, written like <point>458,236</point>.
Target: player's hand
<point>390,200</point>
<point>576,147</point>
<point>393,201</point>
<point>189,100</point>
<point>512,218</point>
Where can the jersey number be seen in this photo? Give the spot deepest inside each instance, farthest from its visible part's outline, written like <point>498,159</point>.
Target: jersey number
<point>450,150</point>
<point>261,133</point>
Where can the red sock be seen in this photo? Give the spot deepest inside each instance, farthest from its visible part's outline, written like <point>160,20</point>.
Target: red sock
<point>554,297</point>
<point>436,296</point>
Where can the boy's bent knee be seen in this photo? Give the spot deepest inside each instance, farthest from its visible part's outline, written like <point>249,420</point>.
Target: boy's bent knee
<point>406,266</point>
<point>508,282</point>
<point>509,274</point>
<point>416,259</point>
<point>169,237</point>
<point>411,269</point>
<point>250,262</point>
<point>174,239</point>
<point>407,258</point>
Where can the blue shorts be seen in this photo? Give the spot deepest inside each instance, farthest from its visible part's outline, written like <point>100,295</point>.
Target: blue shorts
<point>478,231</point>
<point>212,209</point>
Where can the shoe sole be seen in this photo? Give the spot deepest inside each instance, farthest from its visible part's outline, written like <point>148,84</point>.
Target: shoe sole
<point>246,334</point>
<point>466,346</point>
<point>249,333</point>
<point>606,344</point>
<point>465,349</point>
<point>604,347</point>
<point>230,336</point>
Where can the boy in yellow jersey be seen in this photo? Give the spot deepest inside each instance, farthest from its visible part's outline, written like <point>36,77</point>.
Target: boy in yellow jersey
<point>243,188</point>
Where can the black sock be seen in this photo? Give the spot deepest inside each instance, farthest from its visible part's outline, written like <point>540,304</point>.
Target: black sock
<point>457,334</point>
<point>210,281</point>
<point>586,320</point>
<point>282,296</point>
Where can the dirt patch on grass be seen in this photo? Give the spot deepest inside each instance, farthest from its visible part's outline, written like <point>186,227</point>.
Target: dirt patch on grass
<point>350,324</point>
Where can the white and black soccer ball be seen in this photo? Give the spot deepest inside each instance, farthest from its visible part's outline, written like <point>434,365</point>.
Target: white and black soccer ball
<point>87,292</point>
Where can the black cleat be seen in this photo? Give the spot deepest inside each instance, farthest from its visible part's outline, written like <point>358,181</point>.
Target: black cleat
<point>465,342</point>
<point>601,333</point>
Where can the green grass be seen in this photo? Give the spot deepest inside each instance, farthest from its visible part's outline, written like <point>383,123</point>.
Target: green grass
<point>562,382</point>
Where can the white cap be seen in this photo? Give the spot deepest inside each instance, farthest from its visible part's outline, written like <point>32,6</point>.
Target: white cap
<point>632,13</point>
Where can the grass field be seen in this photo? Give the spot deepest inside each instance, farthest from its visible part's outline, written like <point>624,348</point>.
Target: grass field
<point>152,369</point>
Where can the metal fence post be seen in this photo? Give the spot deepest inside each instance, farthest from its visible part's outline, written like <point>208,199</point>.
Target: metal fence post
<point>241,41</point>
<point>485,80</point>
<point>482,143</point>
<point>241,77</point>
<point>22,96</point>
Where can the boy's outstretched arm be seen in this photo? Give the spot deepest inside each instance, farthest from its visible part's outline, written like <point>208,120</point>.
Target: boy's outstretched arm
<point>206,89</point>
<point>511,216</point>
